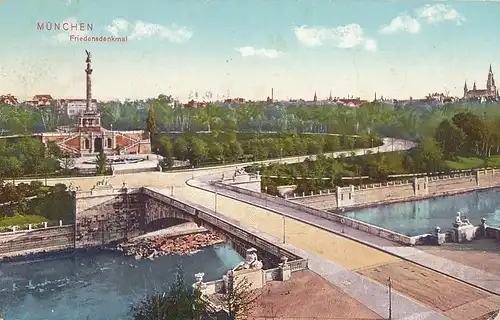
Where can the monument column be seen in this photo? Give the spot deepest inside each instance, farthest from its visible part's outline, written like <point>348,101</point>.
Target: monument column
<point>89,81</point>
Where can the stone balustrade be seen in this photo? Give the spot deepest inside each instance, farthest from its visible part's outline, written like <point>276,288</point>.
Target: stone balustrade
<point>32,226</point>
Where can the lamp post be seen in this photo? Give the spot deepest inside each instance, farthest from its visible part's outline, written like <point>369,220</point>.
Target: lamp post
<point>284,226</point>
<point>215,200</point>
<point>389,283</point>
<point>192,171</point>
<point>266,195</point>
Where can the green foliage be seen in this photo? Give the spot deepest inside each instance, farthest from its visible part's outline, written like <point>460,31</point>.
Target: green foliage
<point>102,166</point>
<point>151,122</point>
<point>221,147</point>
<point>27,156</point>
<point>239,299</point>
<point>21,220</point>
<point>35,200</point>
<point>178,304</point>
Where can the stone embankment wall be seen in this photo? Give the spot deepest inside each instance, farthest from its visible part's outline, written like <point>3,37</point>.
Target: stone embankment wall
<point>403,190</point>
<point>36,240</point>
<point>104,215</point>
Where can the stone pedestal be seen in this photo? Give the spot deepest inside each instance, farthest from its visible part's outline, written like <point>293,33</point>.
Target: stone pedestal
<point>439,237</point>
<point>286,272</point>
<point>463,233</point>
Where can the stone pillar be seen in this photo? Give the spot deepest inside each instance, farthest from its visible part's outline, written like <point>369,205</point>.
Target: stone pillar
<point>29,226</point>
<point>14,228</point>
<point>440,237</point>
<point>285,270</point>
<point>483,226</point>
<point>477,178</point>
<point>45,224</point>
<point>60,223</point>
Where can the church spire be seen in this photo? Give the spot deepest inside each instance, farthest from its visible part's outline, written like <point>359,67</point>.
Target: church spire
<point>474,87</point>
<point>491,71</point>
<point>465,85</point>
<point>315,97</point>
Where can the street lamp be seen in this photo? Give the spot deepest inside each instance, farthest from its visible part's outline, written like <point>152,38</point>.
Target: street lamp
<point>389,283</point>
<point>266,195</point>
<point>215,200</point>
<point>284,226</point>
<point>192,171</point>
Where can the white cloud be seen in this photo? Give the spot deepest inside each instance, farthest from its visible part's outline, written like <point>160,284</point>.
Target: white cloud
<point>249,51</point>
<point>347,36</point>
<point>439,12</point>
<point>118,26</point>
<point>427,14</point>
<point>64,36</point>
<point>142,30</point>
<point>402,23</point>
<point>370,45</point>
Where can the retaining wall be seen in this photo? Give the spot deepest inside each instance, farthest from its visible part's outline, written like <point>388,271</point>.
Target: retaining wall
<point>36,240</point>
<point>403,190</point>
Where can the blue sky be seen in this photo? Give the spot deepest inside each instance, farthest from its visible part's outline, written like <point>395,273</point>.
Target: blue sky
<point>244,48</point>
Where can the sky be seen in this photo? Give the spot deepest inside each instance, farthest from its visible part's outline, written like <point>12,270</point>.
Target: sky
<point>398,49</point>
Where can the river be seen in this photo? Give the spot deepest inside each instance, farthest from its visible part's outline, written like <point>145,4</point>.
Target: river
<point>98,285</point>
<point>419,217</point>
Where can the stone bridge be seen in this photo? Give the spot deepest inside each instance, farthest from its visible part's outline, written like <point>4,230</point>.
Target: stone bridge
<point>107,215</point>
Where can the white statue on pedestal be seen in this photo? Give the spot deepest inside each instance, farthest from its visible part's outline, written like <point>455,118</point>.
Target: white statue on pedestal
<point>251,261</point>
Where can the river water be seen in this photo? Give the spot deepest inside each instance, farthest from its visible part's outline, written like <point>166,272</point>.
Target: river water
<point>420,217</point>
<point>98,285</point>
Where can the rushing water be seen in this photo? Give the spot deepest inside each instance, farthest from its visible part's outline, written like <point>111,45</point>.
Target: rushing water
<point>419,217</point>
<point>98,286</point>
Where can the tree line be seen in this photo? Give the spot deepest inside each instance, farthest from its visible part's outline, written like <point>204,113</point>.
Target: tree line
<point>31,203</point>
<point>27,157</point>
<point>405,121</point>
<point>465,136</point>
<point>226,147</point>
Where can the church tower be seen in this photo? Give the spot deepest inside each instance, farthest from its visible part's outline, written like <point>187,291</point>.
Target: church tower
<point>315,97</point>
<point>465,89</point>
<point>490,84</point>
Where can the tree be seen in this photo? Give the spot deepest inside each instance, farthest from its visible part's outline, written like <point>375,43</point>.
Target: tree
<point>68,164</point>
<point>151,122</point>
<point>53,150</point>
<point>239,298</point>
<point>450,137</point>
<point>178,304</point>
<point>165,148</point>
<point>180,148</point>
<point>428,155</point>
<point>198,151</point>
<point>101,163</point>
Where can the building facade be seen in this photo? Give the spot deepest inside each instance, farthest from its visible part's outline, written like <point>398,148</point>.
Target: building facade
<point>9,99</point>
<point>488,94</point>
<point>90,138</point>
<point>74,108</point>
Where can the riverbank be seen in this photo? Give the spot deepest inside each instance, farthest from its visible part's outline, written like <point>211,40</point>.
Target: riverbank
<point>151,248</point>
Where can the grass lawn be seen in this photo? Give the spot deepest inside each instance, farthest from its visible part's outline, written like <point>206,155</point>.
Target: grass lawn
<point>463,163</point>
<point>20,220</point>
